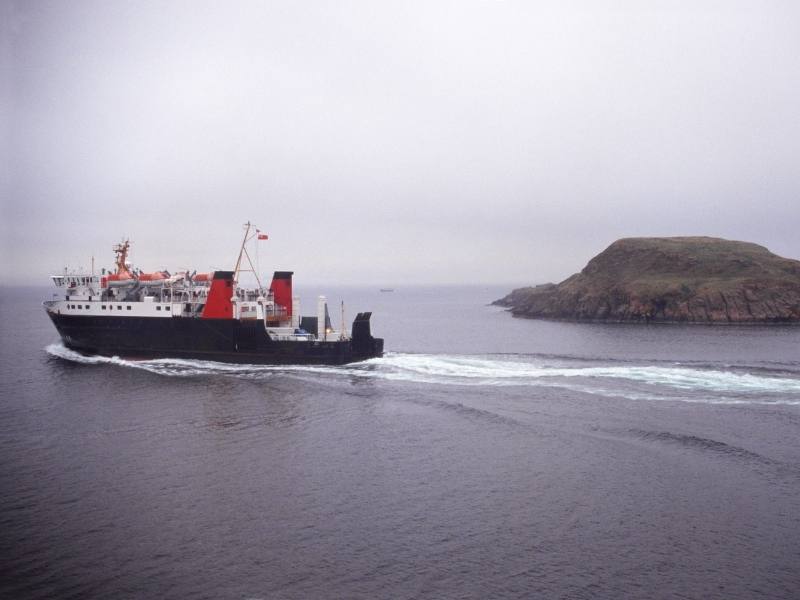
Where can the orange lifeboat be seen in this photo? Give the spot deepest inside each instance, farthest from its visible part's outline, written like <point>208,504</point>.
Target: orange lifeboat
<point>157,276</point>
<point>201,277</point>
<point>116,280</point>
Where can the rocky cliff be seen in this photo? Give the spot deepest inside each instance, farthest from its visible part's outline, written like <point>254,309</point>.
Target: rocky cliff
<point>680,279</point>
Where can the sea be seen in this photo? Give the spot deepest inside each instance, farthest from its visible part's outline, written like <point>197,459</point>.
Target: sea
<point>483,457</point>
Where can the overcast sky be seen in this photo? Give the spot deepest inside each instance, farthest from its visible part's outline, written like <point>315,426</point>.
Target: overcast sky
<point>394,143</point>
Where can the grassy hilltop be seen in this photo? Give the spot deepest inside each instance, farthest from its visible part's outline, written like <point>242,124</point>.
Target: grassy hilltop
<point>678,279</point>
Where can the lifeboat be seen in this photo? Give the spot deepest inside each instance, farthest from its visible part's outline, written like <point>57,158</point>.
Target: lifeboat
<point>200,277</point>
<point>157,276</point>
<point>117,280</point>
<point>178,277</point>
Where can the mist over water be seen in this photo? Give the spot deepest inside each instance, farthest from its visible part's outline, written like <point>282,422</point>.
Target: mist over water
<point>483,456</point>
<point>393,143</point>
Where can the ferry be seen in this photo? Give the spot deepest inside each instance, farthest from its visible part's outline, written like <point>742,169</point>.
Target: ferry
<point>207,316</point>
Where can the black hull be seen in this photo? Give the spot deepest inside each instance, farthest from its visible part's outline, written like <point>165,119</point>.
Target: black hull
<point>225,340</point>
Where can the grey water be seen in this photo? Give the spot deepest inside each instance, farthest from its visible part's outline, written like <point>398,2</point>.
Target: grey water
<point>483,457</point>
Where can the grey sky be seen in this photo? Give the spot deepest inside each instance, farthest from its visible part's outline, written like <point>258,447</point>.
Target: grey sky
<point>392,143</point>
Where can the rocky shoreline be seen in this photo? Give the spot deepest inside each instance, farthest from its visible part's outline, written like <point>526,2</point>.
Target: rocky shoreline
<point>697,280</point>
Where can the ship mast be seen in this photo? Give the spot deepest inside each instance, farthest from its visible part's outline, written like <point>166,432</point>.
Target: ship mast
<point>243,252</point>
<point>121,250</point>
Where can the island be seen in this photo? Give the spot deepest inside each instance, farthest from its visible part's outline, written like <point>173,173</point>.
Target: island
<point>671,280</point>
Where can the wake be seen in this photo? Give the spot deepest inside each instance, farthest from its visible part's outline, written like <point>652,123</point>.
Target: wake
<point>633,381</point>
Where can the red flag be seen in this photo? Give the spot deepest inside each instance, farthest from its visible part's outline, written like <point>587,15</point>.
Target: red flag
<point>263,236</point>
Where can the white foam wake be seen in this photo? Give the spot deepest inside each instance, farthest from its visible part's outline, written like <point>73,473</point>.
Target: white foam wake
<point>487,371</point>
<point>180,366</point>
<point>491,371</point>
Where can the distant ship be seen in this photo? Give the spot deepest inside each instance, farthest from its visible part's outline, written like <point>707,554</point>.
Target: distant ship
<point>206,316</point>
<point>387,289</point>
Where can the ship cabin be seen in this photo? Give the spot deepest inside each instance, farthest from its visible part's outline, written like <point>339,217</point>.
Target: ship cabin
<point>78,286</point>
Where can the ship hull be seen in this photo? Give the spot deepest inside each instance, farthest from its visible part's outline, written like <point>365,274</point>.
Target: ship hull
<point>225,340</point>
